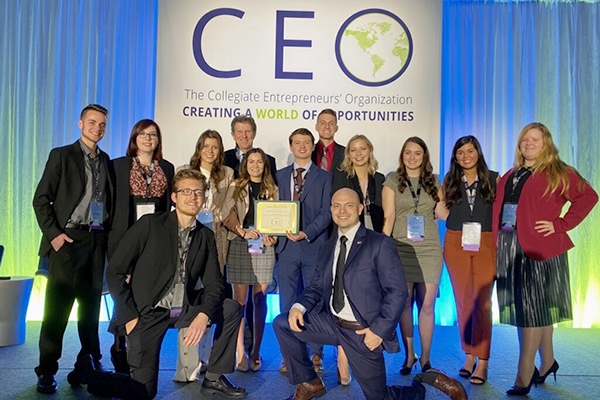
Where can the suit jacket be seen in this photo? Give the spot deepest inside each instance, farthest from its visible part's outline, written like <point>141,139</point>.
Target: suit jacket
<point>373,281</point>
<point>232,162</point>
<point>315,212</point>
<point>535,206</point>
<point>338,156</point>
<point>149,253</point>
<point>342,180</point>
<point>122,209</point>
<point>61,188</point>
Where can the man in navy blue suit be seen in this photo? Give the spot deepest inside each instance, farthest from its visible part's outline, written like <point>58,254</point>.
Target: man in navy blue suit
<point>354,300</point>
<point>297,254</point>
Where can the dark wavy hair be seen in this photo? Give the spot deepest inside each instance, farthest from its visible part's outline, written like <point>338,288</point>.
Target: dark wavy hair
<point>427,178</point>
<point>453,182</point>
<point>218,172</point>
<point>267,184</point>
<point>132,147</point>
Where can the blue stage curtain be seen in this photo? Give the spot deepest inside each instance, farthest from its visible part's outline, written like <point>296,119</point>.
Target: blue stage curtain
<point>55,58</point>
<point>505,64</point>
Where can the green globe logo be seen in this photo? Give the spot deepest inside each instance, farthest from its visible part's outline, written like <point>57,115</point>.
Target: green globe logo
<point>373,47</point>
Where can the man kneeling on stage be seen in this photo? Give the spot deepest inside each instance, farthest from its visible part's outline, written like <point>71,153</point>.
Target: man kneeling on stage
<point>174,280</point>
<point>355,300</point>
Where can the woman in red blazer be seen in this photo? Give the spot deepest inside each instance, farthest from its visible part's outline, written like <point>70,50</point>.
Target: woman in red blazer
<point>532,265</point>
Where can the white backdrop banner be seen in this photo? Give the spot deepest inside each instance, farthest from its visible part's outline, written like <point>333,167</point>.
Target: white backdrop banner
<point>282,62</point>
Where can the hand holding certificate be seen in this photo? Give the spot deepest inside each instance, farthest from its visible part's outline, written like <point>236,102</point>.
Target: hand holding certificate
<point>275,218</point>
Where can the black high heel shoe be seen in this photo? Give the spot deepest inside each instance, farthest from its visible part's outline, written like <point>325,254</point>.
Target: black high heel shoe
<point>406,370</point>
<point>542,378</point>
<point>425,367</point>
<point>523,391</point>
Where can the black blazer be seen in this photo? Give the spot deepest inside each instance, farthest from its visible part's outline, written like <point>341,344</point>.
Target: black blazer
<point>122,209</point>
<point>338,156</point>
<point>232,162</point>
<point>148,252</point>
<point>61,187</point>
<point>342,180</point>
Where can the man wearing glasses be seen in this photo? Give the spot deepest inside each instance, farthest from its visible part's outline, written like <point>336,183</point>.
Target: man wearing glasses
<point>175,281</point>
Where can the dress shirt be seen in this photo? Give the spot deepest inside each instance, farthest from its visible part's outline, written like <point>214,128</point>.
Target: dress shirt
<point>81,214</point>
<point>330,150</point>
<point>174,297</point>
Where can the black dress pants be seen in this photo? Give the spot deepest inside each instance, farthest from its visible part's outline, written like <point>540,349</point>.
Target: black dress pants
<point>143,353</point>
<point>368,367</point>
<point>75,273</point>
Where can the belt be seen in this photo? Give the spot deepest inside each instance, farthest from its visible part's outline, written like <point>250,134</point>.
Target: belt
<point>355,326</point>
<point>81,227</point>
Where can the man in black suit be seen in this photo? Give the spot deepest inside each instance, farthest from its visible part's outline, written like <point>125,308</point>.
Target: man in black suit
<point>328,155</point>
<point>165,272</point>
<point>354,300</point>
<point>72,204</point>
<point>243,130</point>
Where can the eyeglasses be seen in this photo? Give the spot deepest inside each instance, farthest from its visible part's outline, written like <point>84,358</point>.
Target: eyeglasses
<point>149,135</point>
<point>189,192</point>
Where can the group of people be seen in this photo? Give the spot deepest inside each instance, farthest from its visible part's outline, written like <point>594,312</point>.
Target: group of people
<point>183,252</point>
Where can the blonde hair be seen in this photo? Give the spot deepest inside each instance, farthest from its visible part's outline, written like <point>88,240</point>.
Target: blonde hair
<point>348,167</point>
<point>548,162</point>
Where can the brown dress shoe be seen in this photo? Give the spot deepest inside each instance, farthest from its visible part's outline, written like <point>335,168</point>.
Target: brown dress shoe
<point>306,391</point>
<point>317,363</point>
<point>439,380</point>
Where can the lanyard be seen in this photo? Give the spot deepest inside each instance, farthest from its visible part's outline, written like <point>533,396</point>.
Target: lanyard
<point>147,178</point>
<point>517,177</point>
<point>415,196</point>
<point>471,193</point>
<point>95,175</point>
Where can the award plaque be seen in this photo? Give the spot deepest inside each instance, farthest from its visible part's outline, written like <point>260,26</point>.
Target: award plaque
<point>275,218</point>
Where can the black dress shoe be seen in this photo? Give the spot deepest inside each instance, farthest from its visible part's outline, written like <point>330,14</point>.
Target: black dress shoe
<point>84,368</point>
<point>224,387</point>
<point>46,383</point>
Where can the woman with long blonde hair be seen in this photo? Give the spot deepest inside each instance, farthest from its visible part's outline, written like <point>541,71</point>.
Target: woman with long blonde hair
<point>532,239</point>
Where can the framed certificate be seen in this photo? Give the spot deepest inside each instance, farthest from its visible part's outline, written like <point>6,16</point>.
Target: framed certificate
<point>275,218</point>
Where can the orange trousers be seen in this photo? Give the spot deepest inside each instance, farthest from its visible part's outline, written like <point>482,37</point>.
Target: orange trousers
<point>472,274</point>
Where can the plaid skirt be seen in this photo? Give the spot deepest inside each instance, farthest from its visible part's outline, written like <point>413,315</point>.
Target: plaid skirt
<point>531,293</point>
<point>244,268</point>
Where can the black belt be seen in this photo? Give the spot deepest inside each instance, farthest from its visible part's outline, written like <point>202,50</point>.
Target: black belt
<point>355,326</point>
<point>80,227</point>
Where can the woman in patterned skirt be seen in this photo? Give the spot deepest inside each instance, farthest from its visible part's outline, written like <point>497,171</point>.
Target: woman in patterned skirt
<point>251,265</point>
<point>532,264</point>
<point>410,197</point>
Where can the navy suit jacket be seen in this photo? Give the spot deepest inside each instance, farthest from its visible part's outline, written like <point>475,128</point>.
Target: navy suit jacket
<point>373,281</point>
<point>315,212</point>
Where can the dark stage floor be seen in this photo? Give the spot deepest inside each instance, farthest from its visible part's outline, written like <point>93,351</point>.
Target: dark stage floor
<point>577,351</point>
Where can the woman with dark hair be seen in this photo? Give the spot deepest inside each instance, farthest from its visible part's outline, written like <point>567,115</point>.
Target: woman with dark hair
<point>468,194</point>
<point>251,265</point>
<point>532,264</point>
<point>209,158</point>
<point>410,197</point>
<point>142,186</point>
<point>358,172</point>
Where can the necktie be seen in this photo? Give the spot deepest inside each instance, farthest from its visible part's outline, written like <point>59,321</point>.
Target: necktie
<point>324,160</point>
<point>338,286</point>
<point>298,184</point>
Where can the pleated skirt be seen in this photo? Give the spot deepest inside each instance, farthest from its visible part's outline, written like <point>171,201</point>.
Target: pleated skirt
<point>244,268</point>
<point>531,293</point>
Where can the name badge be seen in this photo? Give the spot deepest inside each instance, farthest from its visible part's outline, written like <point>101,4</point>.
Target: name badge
<point>142,209</point>
<point>471,236</point>
<point>206,218</point>
<point>415,228</point>
<point>255,246</point>
<point>96,214</point>
<point>177,302</point>
<point>509,218</point>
